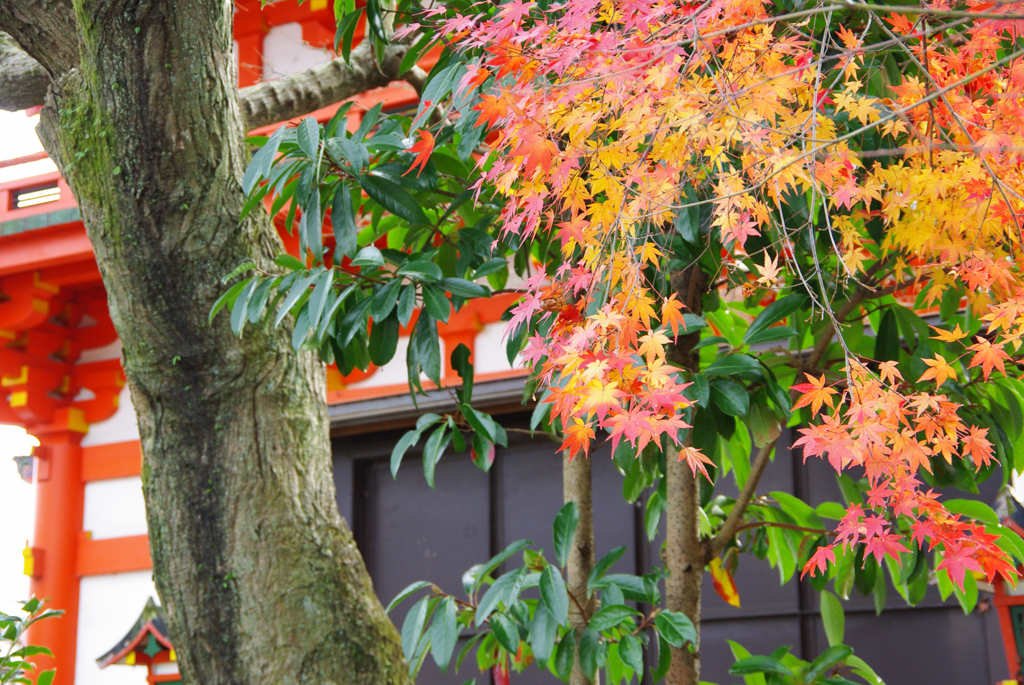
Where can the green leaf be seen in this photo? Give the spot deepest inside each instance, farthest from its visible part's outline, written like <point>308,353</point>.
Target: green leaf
<point>464,288</point>
<point>730,397</point>
<point>409,439</point>
<point>700,391</point>
<point>611,616</point>
<point>733,365</point>
<point>632,654</point>
<point>968,597</point>
<point>308,136</point>
<point>861,668</point>
<point>505,589</point>
<point>46,677</point>
<point>384,340</point>
<point>353,152</point>
<point>772,314</point>
<point>298,289</point>
<point>832,618</point>
<point>318,299</point>
<point>759,664</point>
<point>770,335</point>
<point>227,298</point>
<point>368,122</point>
<point>343,223</point>
<point>404,594</point>
<point>565,655</point>
<point>495,562</point>
<point>392,198</point>
<point>543,631</point>
<point>240,308</point>
<point>369,256</point>
<point>589,646</point>
<point>675,627</point>
<point>826,660</point>
<point>565,530</point>
<point>383,301</point>
<point>413,627</point>
<point>420,270</point>
<point>437,303</point>
<point>602,566</point>
<point>406,304</point>
<point>554,595</point>
<point>505,632</point>
<point>262,162</point>
<point>979,511</point>
<point>444,633</point>
<point>289,262</point>
<point>424,351</point>
<point>433,450</point>
<point>739,653</point>
<point>491,266</point>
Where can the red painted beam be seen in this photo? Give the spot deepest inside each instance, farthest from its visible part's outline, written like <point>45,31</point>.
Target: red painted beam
<point>45,247</point>
<point>116,460</point>
<point>113,555</point>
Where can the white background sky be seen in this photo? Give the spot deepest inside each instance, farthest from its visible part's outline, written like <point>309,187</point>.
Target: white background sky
<point>17,498</point>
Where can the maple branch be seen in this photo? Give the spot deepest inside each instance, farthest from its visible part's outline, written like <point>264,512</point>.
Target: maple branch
<point>786,526</point>
<point>732,522</point>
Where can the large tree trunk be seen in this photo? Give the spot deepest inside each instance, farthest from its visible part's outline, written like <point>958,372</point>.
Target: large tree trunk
<point>259,574</point>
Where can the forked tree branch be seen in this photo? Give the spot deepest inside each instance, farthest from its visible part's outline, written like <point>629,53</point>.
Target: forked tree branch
<point>732,522</point>
<point>23,83</point>
<point>292,96</point>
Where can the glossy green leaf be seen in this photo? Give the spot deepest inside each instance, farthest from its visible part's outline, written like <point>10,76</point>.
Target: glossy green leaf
<point>610,616</point>
<point>554,595</point>
<point>759,664</point>
<point>730,397</point>
<point>392,198</point>
<point>444,633</point>
<point>773,313</point>
<point>603,564</point>
<point>308,136</point>
<point>543,632</point>
<point>384,340</point>
<point>410,589</point>
<point>832,618</point>
<point>413,627</point>
<point>564,531</point>
<point>437,303</point>
<point>675,627</point>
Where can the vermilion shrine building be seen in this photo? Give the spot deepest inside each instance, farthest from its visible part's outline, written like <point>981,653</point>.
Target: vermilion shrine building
<point>61,379</point>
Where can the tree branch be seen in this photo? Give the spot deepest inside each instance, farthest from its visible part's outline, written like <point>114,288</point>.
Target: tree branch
<point>292,96</point>
<point>23,81</point>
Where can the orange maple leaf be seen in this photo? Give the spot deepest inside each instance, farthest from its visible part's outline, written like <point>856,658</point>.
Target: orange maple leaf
<point>491,108</point>
<point>938,370</point>
<point>814,393</point>
<point>422,148</point>
<point>988,356</point>
<point>537,151</point>
<point>672,314</point>
<point>889,372</point>
<point>577,437</point>
<point>948,336</point>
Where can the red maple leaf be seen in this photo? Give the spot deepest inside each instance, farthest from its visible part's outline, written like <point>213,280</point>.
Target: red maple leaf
<point>422,148</point>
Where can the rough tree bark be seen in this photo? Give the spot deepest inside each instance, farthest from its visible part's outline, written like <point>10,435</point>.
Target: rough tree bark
<point>684,557</point>
<point>576,487</point>
<point>259,575</point>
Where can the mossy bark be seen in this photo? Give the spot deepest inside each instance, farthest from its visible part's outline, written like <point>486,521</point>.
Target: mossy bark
<point>259,574</point>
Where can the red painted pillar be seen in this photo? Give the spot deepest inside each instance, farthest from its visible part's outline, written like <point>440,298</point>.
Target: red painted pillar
<point>60,495</point>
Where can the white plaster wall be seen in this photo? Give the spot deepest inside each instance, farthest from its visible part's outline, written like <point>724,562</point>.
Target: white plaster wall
<point>114,508</point>
<point>120,427</point>
<point>107,610</point>
<point>489,350</point>
<point>284,52</point>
